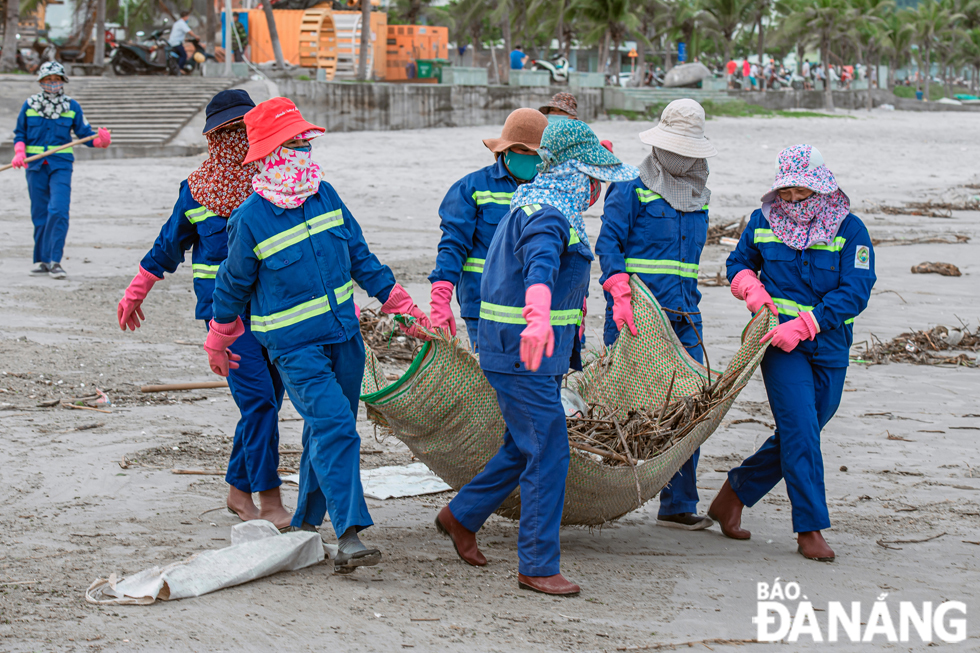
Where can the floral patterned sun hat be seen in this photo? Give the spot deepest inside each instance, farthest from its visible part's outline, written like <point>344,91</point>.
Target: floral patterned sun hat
<point>801,165</point>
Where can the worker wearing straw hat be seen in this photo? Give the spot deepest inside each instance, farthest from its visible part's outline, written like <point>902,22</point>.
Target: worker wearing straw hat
<point>535,281</point>
<point>294,253</point>
<point>46,121</point>
<point>470,213</point>
<point>805,255</point>
<point>199,222</point>
<point>655,227</point>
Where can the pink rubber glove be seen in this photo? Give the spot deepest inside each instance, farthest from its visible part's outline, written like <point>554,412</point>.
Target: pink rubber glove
<point>103,139</point>
<point>357,312</point>
<point>585,312</point>
<point>400,303</point>
<point>20,153</point>
<point>440,312</point>
<point>129,312</point>
<point>746,285</point>
<point>618,285</point>
<point>538,337</point>
<point>220,338</point>
<point>789,334</point>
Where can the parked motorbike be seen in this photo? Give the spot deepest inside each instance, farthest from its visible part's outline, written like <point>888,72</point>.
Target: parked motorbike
<point>558,67</point>
<point>49,50</point>
<point>153,57</point>
<point>198,58</point>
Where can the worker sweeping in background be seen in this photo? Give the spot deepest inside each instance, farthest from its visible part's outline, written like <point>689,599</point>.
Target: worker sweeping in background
<point>470,213</point>
<point>806,255</point>
<point>655,227</point>
<point>46,121</point>
<point>294,253</point>
<point>199,222</point>
<point>537,273</point>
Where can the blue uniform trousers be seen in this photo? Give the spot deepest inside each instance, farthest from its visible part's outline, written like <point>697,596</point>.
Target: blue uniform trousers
<point>473,331</point>
<point>257,390</point>
<point>324,384</point>
<point>50,192</point>
<point>535,456</point>
<point>803,397</point>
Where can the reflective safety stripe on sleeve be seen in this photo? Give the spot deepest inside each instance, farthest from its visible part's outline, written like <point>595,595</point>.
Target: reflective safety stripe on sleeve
<point>792,309</point>
<point>299,233</point>
<point>654,266</point>
<point>200,214</point>
<point>474,265</point>
<point>40,149</point>
<point>202,271</point>
<point>482,197</point>
<point>513,315</point>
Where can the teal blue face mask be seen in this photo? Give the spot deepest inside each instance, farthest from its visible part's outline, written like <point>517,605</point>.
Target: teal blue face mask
<point>522,166</point>
<point>305,148</point>
<point>555,118</point>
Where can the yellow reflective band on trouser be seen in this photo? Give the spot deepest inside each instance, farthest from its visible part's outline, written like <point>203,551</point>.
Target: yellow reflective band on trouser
<point>200,214</point>
<point>653,266</point>
<point>513,315</point>
<point>490,197</point>
<point>41,149</point>
<point>474,265</point>
<point>299,233</point>
<point>345,292</point>
<point>765,236</point>
<point>202,271</point>
<point>646,196</point>
<point>835,246</point>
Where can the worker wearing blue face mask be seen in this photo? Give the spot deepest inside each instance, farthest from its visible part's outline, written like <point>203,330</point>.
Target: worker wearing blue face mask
<point>470,213</point>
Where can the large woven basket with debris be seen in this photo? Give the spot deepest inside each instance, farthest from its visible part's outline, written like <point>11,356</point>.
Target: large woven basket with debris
<point>445,410</point>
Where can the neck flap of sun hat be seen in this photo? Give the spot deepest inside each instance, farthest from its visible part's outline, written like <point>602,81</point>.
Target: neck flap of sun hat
<point>680,180</point>
<point>286,176</point>
<point>222,183</point>
<point>571,158</point>
<point>51,102</point>
<point>815,220</point>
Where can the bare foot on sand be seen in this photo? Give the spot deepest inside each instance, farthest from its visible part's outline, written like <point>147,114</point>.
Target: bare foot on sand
<point>271,508</point>
<point>241,504</point>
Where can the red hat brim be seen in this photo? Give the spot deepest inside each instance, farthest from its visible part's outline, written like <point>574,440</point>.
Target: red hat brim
<point>258,149</point>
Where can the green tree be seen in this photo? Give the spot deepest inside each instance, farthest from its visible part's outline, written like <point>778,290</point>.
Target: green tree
<point>871,34</point>
<point>725,18</point>
<point>830,22</point>
<point>8,60</point>
<point>609,21</point>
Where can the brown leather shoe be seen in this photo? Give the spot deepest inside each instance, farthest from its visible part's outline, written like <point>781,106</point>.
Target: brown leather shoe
<point>463,539</point>
<point>812,546</point>
<point>555,585</point>
<point>726,509</point>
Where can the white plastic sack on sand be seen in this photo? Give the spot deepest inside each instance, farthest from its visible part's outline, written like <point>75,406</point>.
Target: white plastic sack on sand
<point>395,481</point>
<point>256,552</point>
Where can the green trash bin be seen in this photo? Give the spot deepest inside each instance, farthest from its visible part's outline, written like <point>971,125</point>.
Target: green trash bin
<point>429,68</point>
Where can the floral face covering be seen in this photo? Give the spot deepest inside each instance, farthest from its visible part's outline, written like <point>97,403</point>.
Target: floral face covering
<point>222,182</point>
<point>287,177</point>
<point>813,221</point>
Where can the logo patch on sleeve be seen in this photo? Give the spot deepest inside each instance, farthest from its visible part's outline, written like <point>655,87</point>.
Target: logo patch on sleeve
<point>862,258</point>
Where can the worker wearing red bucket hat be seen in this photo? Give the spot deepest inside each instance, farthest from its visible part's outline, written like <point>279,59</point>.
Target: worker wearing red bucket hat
<point>294,254</point>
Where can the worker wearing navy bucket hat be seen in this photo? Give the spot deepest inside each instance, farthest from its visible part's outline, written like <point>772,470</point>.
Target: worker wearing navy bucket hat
<point>199,222</point>
<point>655,227</point>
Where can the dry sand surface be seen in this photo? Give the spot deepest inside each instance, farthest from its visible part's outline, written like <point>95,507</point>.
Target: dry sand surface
<point>72,512</point>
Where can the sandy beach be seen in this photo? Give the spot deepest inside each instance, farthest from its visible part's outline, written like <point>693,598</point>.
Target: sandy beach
<point>899,454</point>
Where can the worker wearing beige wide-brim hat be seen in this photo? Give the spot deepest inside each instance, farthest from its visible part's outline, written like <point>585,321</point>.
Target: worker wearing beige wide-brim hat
<point>655,227</point>
<point>469,215</point>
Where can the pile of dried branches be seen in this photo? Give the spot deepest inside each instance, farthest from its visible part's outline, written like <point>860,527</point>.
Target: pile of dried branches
<point>388,342</point>
<point>928,209</point>
<point>922,347</point>
<point>943,239</point>
<point>734,230</point>
<point>643,434</point>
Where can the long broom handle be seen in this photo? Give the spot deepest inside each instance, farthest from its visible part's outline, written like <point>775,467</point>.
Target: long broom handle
<point>80,141</point>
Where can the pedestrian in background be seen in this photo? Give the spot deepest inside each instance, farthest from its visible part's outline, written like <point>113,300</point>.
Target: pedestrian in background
<point>178,34</point>
<point>517,58</point>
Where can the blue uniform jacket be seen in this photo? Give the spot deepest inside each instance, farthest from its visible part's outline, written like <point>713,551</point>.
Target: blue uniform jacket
<point>191,226</point>
<point>470,213</point>
<point>833,281</point>
<point>41,134</point>
<point>534,244</point>
<point>641,234</point>
<point>297,268</point>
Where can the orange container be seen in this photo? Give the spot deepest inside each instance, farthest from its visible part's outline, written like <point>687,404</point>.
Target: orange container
<point>406,43</point>
<point>288,22</point>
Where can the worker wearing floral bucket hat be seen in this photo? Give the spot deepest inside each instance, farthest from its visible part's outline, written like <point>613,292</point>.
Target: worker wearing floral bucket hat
<point>294,253</point>
<point>805,255</point>
<point>655,227</point>
<point>534,284</point>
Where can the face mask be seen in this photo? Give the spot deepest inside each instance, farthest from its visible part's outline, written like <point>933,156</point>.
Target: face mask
<point>52,88</point>
<point>555,118</point>
<point>802,211</point>
<point>306,148</point>
<point>522,166</point>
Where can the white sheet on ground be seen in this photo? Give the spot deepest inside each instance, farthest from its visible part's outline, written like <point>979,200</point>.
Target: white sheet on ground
<point>257,550</point>
<point>395,481</point>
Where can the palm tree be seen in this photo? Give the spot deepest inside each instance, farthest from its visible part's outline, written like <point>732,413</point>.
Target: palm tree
<point>610,21</point>
<point>273,34</point>
<point>791,31</point>
<point>898,45</point>
<point>8,60</point>
<point>970,55</point>
<point>871,34</point>
<point>725,19</point>
<point>830,21</point>
<point>761,10</point>
<point>931,19</point>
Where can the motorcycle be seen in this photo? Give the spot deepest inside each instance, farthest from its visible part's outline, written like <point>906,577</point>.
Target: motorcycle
<point>558,67</point>
<point>154,57</point>
<point>198,58</point>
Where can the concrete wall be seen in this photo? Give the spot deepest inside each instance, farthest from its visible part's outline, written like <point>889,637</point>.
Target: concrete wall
<point>341,106</point>
<point>782,100</point>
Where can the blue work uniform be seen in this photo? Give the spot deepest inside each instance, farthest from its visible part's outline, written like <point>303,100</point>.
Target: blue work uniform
<point>255,385</point>
<point>297,268</point>
<point>643,235</point>
<point>469,216</point>
<point>534,244</point>
<point>49,180</point>
<point>833,282</point>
